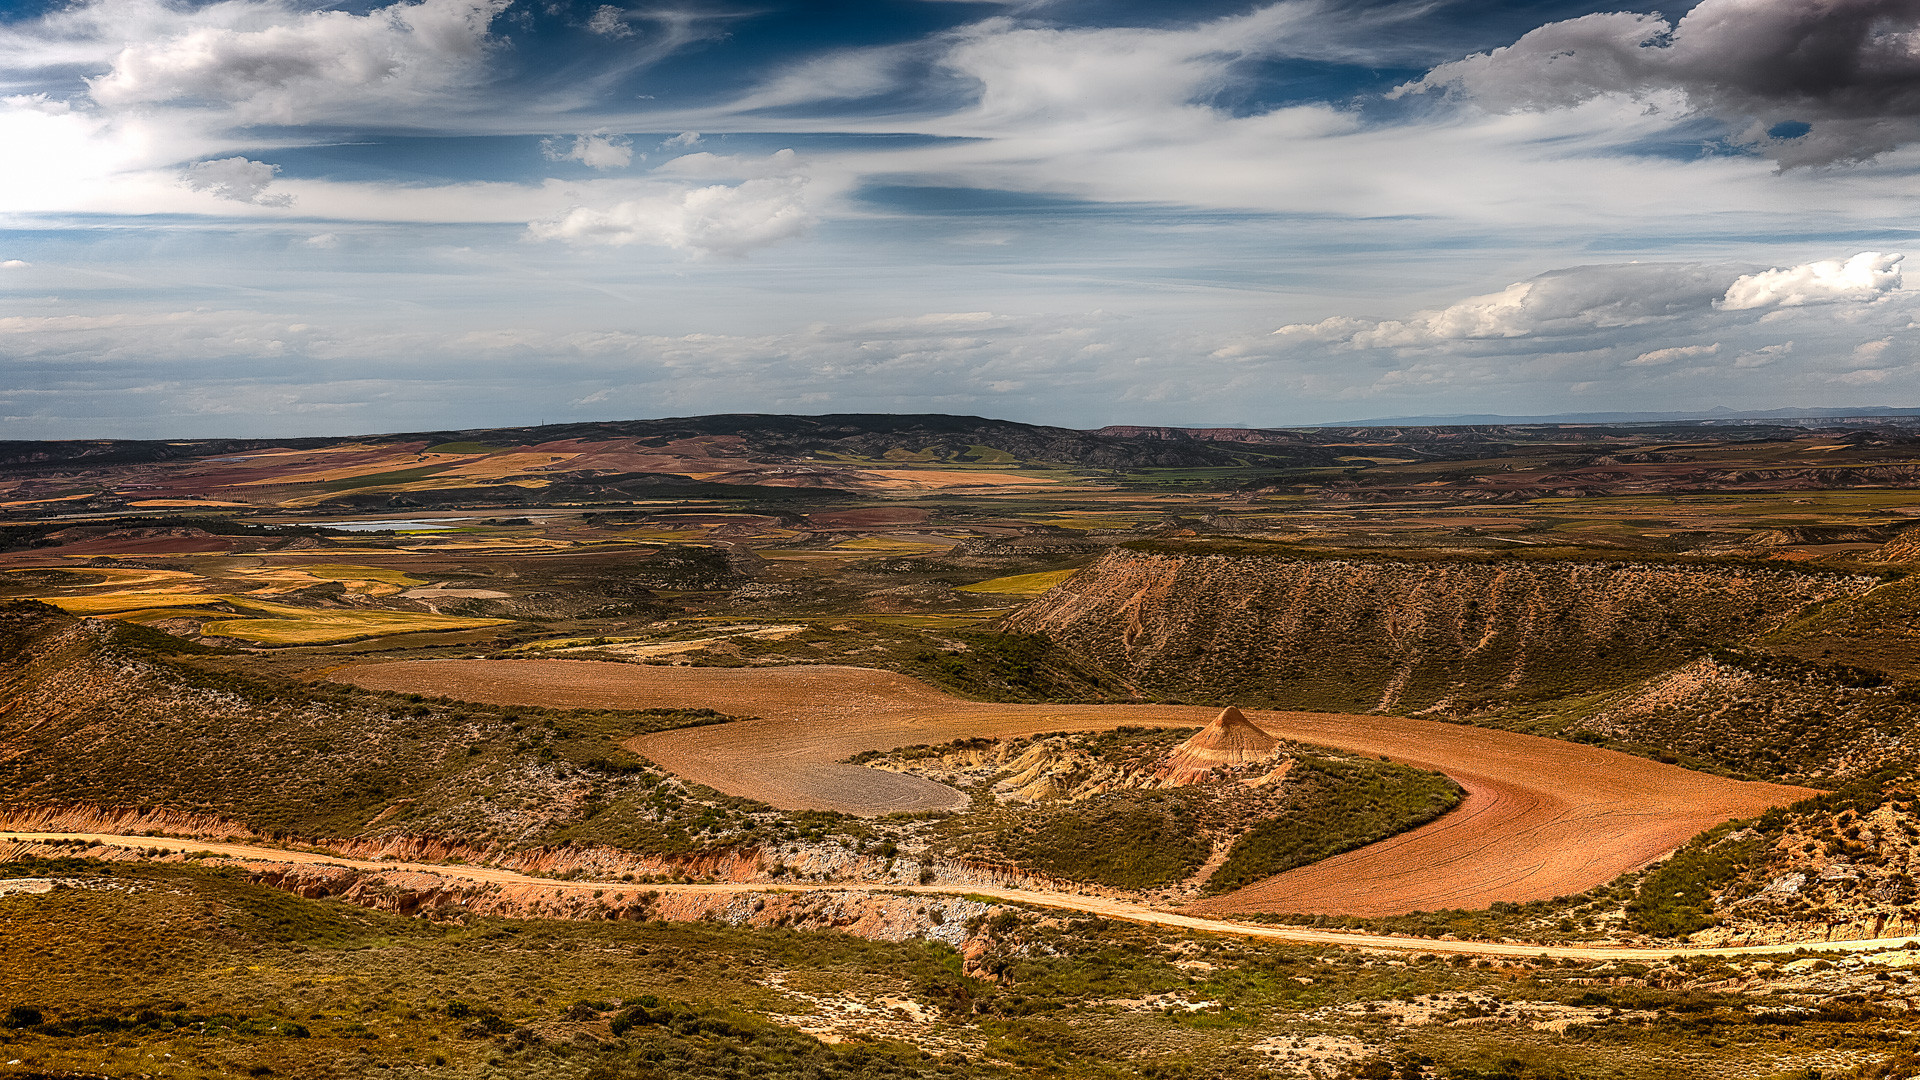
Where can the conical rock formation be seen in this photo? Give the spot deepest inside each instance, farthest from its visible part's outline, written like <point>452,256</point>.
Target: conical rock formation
<point>1230,742</point>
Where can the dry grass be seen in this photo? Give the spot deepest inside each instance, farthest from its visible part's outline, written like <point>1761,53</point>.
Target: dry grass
<point>309,626</point>
<point>342,572</point>
<point>1019,584</point>
<point>267,623</point>
<point>116,603</point>
<point>889,545</point>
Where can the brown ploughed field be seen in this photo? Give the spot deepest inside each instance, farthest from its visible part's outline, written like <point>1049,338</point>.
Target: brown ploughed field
<point>1541,818</point>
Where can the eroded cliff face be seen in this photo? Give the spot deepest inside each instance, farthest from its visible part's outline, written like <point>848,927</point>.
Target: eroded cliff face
<point>423,892</point>
<point>1407,635</point>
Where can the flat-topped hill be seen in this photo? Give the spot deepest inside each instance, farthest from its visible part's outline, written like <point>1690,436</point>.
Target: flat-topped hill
<point>1403,634</point>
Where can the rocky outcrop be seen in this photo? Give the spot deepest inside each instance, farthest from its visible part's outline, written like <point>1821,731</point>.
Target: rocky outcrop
<point>119,821</point>
<point>1903,548</point>
<point>421,892</point>
<point>1407,635</point>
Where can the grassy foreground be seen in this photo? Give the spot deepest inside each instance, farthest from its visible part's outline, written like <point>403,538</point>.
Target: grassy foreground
<point>174,971</point>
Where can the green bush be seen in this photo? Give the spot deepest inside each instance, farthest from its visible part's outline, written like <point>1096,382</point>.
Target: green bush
<point>1337,806</point>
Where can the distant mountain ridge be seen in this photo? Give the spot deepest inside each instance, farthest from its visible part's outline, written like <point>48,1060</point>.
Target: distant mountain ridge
<point>949,437</point>
<point>1717,414</point>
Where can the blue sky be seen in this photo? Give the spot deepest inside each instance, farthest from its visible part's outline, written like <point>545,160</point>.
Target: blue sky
<point>269,217</point>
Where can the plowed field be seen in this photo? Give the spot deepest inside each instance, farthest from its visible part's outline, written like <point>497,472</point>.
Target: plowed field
<point>1541,818</point>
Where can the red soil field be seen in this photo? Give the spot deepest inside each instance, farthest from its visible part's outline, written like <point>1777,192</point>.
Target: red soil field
<point>869,517</point>
<point>1541,818</point>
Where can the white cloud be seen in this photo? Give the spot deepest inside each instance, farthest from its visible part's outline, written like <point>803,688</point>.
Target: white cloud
<point>236,179</point>
<point>609,21</point>
<point>1866,276</point>
<point>15,264</point>
<point>1864,376</point>
<point>718,220</point>
<point>1846,69</point>
<point>1763,356</point>
<point>1582,298</point>
<point>681,141</point>
<point>1029,73</point>
<point>269,63</point>
<point>1591,301</point>
<point>1659,357</point>
<point>706,166</point>
<point>599,151</point>
<point>1870,351</point>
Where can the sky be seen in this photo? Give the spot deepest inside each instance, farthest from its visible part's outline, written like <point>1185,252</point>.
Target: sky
<point>274,217</point>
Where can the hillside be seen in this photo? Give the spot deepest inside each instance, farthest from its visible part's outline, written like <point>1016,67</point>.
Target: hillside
<point>781,459</point>
<point>1758,715</point>
<point>98,713</point>
<point>1407,635</point>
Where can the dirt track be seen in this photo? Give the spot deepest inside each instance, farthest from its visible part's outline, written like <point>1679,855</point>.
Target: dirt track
<point>1113,909</point>
<point>1542,818</point>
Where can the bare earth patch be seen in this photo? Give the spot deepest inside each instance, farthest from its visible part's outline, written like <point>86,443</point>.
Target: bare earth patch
<point>1541,818</point>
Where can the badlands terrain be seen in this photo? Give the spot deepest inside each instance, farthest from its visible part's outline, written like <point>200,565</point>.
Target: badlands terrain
<point>942,746</point>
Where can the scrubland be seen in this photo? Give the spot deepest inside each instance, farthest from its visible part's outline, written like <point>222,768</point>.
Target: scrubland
<point>1730,605</point>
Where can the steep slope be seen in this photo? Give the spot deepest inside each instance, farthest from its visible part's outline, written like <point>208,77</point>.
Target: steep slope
<point>96,714</point>
<point>1407,635</point>
<point>1764,716</point>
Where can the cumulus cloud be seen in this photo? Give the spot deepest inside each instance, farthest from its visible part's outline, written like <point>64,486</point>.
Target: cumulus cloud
<point>1581,298</point>
<point>594,151</point>
<point>237,179</point>
<point>683,140</point>
<point>1808,83</point>
<point>1585,299</point>
<point>715,220</point>
<point>609,21</point>
<point>15,264</point>
<point>270,64</point>
<point>1659,357</point>
<point>1867,276</point>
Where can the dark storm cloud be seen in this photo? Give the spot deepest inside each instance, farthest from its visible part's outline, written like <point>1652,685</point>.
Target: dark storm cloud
<point>1808,82</point>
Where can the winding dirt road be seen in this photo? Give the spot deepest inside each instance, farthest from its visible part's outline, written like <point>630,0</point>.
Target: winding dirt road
<point>1112,909</point>
<point>1541,818</point>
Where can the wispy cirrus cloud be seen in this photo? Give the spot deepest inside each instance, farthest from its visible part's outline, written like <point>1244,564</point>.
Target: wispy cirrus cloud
<point>1211,175</point>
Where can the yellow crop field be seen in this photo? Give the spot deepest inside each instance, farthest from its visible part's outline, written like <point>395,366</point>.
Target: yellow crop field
<point>110,575</point>
<point>343,572</point>
<point>289,625</point>
<point>274,624</point>
<point>114,603</point>
<point>1019,584</point>
<point>889,545</point>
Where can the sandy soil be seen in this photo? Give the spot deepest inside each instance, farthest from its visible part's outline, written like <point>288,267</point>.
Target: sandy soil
<point>1541,818</point>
